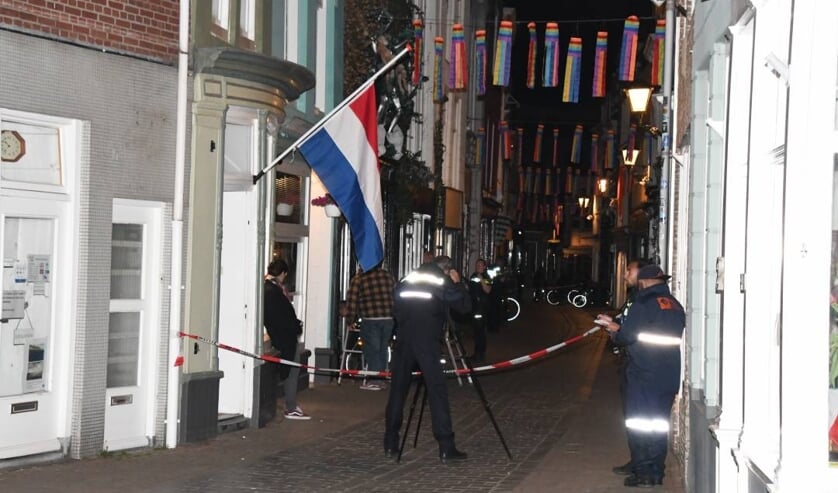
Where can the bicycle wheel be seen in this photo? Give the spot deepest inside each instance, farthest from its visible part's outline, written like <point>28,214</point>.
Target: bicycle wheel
<point>553,297</point>
<point>570,294</point>
<point>511,309</point>
<point>580,300</point>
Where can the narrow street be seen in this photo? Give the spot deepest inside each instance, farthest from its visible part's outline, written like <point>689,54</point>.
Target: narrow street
<point>560,418</point>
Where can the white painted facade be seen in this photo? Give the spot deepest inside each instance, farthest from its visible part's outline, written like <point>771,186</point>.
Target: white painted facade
<point>763,141</point>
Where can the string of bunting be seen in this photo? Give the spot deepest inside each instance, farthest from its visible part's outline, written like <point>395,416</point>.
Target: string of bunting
<point>480,48</point>
<point>439,88</point>
<point>418,36</point>
<point>458,75</point>
<point>533,51</point>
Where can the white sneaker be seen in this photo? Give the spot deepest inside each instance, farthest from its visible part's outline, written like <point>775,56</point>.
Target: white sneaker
<point>296,413</point>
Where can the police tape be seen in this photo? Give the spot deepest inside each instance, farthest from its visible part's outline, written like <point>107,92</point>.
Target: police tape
<point>367,373</point>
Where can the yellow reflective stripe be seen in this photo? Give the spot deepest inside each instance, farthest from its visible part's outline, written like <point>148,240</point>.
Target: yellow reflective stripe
<point>658,340</point>
<point>654,425</point>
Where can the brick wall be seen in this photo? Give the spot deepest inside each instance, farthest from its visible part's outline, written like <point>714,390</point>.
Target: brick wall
<point>146,28</point>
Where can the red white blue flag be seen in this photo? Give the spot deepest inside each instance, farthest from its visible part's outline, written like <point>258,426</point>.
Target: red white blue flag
<point>344,154</point>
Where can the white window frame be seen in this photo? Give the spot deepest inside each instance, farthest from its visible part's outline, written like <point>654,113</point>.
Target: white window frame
<point>247,19</point>
<point>221,13</point>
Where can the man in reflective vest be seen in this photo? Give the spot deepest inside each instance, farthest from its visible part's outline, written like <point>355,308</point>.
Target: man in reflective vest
<point>651,332</point>
<point>421,303</point>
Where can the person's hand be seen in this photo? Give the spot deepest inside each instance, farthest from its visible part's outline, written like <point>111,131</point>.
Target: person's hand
<point>454,275</point>
<point>607,323</point>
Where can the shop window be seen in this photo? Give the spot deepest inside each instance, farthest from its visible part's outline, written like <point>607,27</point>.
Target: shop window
<point>288,199</point>
<point>27,304</point>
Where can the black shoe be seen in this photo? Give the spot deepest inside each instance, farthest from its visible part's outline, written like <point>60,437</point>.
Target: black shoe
<point>641,482</point>
<point>623,470</point>
<point>452,454</point>
<point>391,453</point>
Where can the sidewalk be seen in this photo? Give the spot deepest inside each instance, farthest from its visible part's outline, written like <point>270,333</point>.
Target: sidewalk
<point>560,417</point>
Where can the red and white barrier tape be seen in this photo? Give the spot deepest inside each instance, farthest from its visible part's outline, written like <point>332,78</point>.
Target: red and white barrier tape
<point>461,371</point>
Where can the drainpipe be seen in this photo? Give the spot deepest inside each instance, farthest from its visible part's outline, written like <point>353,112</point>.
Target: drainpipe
<point>666,127</point>
<point>175,287</point>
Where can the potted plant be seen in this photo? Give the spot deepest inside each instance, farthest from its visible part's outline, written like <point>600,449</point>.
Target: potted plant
<point>328,204</point>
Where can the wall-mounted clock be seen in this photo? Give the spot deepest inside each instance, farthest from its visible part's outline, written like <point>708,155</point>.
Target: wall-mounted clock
<point>13,146</point>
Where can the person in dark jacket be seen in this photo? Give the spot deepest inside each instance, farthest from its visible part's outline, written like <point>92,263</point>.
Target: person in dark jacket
<point>651,332</point>
<point>421,304</point>
<point>284,329</point>
<point>480,288</point>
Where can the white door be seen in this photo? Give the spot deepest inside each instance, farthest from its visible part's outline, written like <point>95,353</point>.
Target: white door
<point>238,267</point>
<point>134,325</point>
<point>36,325</point>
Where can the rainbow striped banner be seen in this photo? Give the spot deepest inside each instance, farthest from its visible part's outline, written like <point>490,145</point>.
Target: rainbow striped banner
<point>520,204</point>
<point>555,147</point>
<point>539,139</point>
<point>457,75</point>
<point>548,176</point>
<point>439,83</point>
<point>656,77</point>
<point>505,144</point>
<point>418,36</point>
<point>480,47</point>
<point>572,71</point>
<point>608,159</point>
<point>480,149</point>
<point>576,150</point>
<point>628,56</point>
<point>551,55</point>
<point>528,185</point>
<point>503,54</point>
<point>600,62</point>
<point>533,51</point>
<point>595,153</point>
<point>520,146</point>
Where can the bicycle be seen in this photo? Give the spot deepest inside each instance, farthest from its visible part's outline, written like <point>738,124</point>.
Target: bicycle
<point>511,308</point>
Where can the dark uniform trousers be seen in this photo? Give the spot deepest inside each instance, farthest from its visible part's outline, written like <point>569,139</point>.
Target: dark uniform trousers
<point>647,405</point>
<point>418,350</point>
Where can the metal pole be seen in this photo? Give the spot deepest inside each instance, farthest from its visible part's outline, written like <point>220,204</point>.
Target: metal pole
<point>387,66</point>
<point>666,137</point>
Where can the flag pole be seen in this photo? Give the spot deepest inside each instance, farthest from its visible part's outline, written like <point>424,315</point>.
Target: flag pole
<point>277,160</point>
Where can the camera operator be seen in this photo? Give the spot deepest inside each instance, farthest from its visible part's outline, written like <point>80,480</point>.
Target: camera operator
<point>422,301</point>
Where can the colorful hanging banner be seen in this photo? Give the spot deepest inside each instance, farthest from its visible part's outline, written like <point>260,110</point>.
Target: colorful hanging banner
<point>505,140</point>
<point>520,204</point>
<point>539,138</point>
<point>439,83</point>
<point>418,35</point>
<point>503,54</point>
<point>631,140</point>
<point>551,55</point>
<point>480,47</point>
<point>520,149</point>
<point>608,159</point>
<point>531,55</point>
<point>572,71</point>
<point>480,149</point>
<point>628,55</point>
<point>656,77</point>
<point>595,153</point>
<point>576,150</point>
<point>600,62</point>
<point>555,147</point>
<point>458,75</point>
<point>548,178</point>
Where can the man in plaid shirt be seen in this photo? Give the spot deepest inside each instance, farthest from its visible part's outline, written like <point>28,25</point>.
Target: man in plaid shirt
<point>371,299</point>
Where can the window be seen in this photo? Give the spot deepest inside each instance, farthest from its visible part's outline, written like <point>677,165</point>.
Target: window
<point>31,155</point>
<point>247,19</point>
<point>221,14</point>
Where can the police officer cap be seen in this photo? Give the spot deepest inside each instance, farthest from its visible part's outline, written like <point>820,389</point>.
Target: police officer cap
<point>651,272</point>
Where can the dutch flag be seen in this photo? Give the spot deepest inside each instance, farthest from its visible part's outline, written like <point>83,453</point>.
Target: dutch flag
<point>344,154</point>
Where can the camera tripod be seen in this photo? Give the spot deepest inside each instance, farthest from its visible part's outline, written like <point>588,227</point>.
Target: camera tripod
<point>460,362</point>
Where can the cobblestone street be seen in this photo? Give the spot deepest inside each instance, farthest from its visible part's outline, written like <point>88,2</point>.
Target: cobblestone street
<point>560,418</point>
